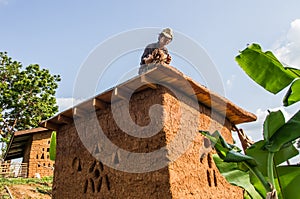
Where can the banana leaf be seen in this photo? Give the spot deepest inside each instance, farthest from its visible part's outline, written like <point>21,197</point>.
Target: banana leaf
<point>294,70</point>
<point>272,123</point>
<point>288,179</point>
<point>293,94</point>
<point>265,69</point>
<point>258,152</point>
<point>227,152</point>
<point>232,173</point>
<point>285,134</point>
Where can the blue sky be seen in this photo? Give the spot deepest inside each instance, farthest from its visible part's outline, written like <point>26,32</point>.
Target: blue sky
<point>59,35</point>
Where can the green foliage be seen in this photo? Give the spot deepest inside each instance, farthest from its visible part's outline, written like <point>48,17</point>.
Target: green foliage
<point>234,174</point>
<point>14,181</point>
<point>258,152</point>
<point>265,69</point>
<point>289,181</point>
<point>270,127</point>
<point>235,166</point>
<point>251,170</point>
<point>27,95</point>
<point>292,96</point>
<point>228,152</point>
<point>52,150</point>
<point>285,134</point>
<point>44,185</point>
<point>259,170</point>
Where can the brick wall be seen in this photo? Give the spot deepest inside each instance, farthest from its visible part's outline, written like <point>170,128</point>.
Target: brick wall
<point>39,161</point>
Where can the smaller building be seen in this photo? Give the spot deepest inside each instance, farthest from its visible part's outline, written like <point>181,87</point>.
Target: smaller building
<point>33,146</point>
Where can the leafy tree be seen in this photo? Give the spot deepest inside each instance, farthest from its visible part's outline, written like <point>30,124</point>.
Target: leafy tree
<point>260,171</point>
<point>27,96</point>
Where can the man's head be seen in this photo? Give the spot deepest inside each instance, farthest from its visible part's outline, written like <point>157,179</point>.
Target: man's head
<point>165,37</point>
<point>167,32</point>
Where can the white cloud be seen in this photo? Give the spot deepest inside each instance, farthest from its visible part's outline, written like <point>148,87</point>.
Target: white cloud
<point>261,115</point>
<point>65,103</point>
<point>255,129</point>
<point>287,49</point>
<point>229,82</point>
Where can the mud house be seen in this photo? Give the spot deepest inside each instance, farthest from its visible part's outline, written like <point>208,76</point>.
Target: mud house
<point>32,146</point>
<point>140,140</point>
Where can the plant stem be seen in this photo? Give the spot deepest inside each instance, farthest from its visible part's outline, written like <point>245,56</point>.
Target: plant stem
<point>261,178</point>
<point>270,168</point>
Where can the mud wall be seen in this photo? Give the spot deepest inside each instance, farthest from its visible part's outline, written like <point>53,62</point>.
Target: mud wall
<point>78,174</point>
<point>194,174</point>
<point>81,172</point>
<point>39,161</point>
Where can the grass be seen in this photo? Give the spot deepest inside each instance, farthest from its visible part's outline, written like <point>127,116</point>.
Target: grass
<point>44,184</point>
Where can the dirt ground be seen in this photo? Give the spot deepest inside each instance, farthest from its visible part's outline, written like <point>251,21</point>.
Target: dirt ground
<point>27,192</point>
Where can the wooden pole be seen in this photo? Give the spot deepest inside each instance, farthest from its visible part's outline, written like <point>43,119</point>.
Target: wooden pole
<point>9,193</point>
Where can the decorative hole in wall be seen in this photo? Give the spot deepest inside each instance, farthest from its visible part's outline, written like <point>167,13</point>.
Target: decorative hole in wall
<point>205,149</point>
<point>215,178</point>
<point>99,185</point>
<point>91,181</point>
<point>92,167</point>
<point>97,173</point>
<point>209,160</point>
<point>208,177</point>
<point>206,142</point>
<point>97,178</point>
<point>43,157</point>
<point>116,158</point>
<point>76,164</point>
<point>107,182</point>
<point>85,186</point>
<point>97,149</point>
<point>202,156</point>
<point>210,172</point>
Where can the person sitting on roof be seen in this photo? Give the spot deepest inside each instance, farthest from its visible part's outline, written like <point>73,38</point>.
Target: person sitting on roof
<point>157,52</point>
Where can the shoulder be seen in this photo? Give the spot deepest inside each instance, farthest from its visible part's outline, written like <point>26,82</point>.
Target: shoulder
<point>153,45</point>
